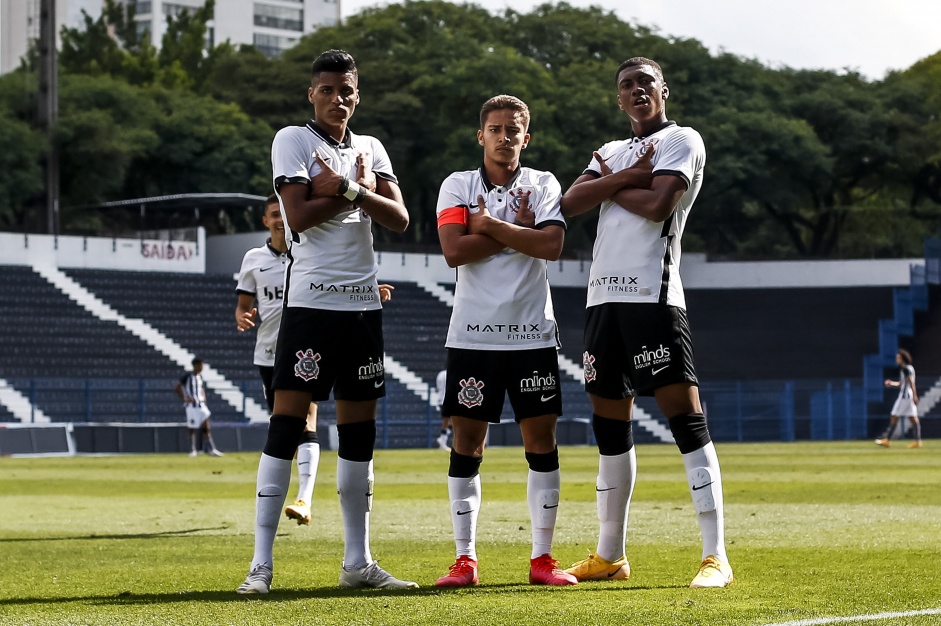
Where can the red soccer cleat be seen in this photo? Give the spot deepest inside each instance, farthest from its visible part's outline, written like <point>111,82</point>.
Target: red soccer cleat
<point>462,574</point>
<point>544,570</point>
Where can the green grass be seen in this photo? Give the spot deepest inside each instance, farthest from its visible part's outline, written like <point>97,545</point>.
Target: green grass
<point>814,530</point>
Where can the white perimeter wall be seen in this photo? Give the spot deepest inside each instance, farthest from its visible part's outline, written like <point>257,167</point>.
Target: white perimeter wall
<point>143,255</point>
<point>223,255</point>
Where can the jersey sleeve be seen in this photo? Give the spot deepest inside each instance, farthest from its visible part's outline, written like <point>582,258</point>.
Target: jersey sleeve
<point>549,211</point>
<point>452,202</point>
<point>246,279</point>
<point>381,164</point>
<point>290,158</point>
<point>681,154</point>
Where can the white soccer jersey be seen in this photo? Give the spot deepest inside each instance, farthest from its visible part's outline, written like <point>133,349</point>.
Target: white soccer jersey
<point>635,259</point>
<point>262,276</point>
<point>332,265</point>
<point>503,302</point>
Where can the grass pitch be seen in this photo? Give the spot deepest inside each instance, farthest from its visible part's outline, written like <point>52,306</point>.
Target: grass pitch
<point>814,530</point>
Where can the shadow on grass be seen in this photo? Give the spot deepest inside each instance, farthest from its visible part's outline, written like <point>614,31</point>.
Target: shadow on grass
<point>167,533</point>
<point>126,598</point>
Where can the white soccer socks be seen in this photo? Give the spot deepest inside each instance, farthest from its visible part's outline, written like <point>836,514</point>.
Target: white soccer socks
<point>613,491</point>
<point>354,485</point>
<point>308,460</point>
<point>272,483</point>
<point>464,494</point>
<point>705,487</point>
<point>542,495</point>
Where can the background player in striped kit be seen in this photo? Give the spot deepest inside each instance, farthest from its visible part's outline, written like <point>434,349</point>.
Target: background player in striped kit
<point>261,281</point>
<point>498,225</point>
<point>637,338</point>
<point>332,185</point>
<point>906,405</point>
<point>192,392</point>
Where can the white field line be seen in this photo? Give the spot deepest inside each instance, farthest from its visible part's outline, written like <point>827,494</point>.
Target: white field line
<point>821,621</point>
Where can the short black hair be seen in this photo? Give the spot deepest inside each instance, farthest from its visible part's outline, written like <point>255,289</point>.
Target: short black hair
<point>197,361</point>
<point>339,61</point>
<point>637,62</point>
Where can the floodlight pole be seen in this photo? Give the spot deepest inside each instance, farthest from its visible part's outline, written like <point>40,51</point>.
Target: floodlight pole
<point>49,107</point>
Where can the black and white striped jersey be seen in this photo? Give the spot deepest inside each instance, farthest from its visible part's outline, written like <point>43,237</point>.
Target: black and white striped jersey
<point>906,381</point>
<point>332,265</point>
<point>635,259</point>
<point>193,387</point>
<point>262,276</point>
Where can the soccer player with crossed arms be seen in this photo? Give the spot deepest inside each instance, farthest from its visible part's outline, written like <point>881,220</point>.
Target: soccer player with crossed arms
<point>637,338</point>
<point>332,185</point>
<point>498,225</point>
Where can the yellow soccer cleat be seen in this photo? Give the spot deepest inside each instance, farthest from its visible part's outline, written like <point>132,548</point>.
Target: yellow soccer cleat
<point>597,568</point>
<point>885,443</point>
<point>915,444</point>
<point>298,511</point>
<point>712,573</point>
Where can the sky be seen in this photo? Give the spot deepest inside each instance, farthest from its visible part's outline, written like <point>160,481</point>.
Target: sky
<point>871,37</point>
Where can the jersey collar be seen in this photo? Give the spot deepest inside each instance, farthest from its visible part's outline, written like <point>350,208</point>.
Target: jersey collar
<point>489,186</point>
<point>274,251</point>
<point>656,130</point>
<point>317,130</point>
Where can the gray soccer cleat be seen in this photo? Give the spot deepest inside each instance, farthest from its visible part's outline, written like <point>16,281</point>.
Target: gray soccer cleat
<point>258,580</point>
<point>372,576</point>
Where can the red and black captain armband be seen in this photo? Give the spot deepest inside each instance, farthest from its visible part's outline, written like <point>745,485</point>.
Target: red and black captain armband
<point>453,215</point>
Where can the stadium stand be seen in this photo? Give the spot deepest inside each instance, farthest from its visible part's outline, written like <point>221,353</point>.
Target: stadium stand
<point>787,352</point>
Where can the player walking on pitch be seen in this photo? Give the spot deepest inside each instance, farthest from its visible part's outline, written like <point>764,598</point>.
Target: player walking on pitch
<point>498,225</point>
<point>906,405</point>
<point>332,185</point>
<point>637,338</point>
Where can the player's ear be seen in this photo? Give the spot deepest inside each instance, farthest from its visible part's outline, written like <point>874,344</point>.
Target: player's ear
<point>310,95</point>
<point>480,137</point>
<point>666,91</point>
<point>525,140</point>
<point>620,104</point>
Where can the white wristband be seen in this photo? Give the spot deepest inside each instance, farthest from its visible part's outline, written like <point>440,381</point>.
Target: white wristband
<point>353,191</point>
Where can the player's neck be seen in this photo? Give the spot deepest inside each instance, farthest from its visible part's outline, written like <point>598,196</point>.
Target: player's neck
<point>336,131</point>
<point>278,243</point>
<point>643,128</point>
<point>500,173</point>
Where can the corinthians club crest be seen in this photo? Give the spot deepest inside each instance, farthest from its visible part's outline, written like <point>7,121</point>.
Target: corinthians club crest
<point>470,394</point>
<point>588,362</point>
<point>306,367</point>
<point>516,197</point>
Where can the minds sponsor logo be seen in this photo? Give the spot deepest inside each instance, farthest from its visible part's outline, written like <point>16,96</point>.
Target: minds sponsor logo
<point>373,369</point>
<point>537,382</point>
<point>649,358</point>
<point>357,293</point>
<point>514,332</point>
